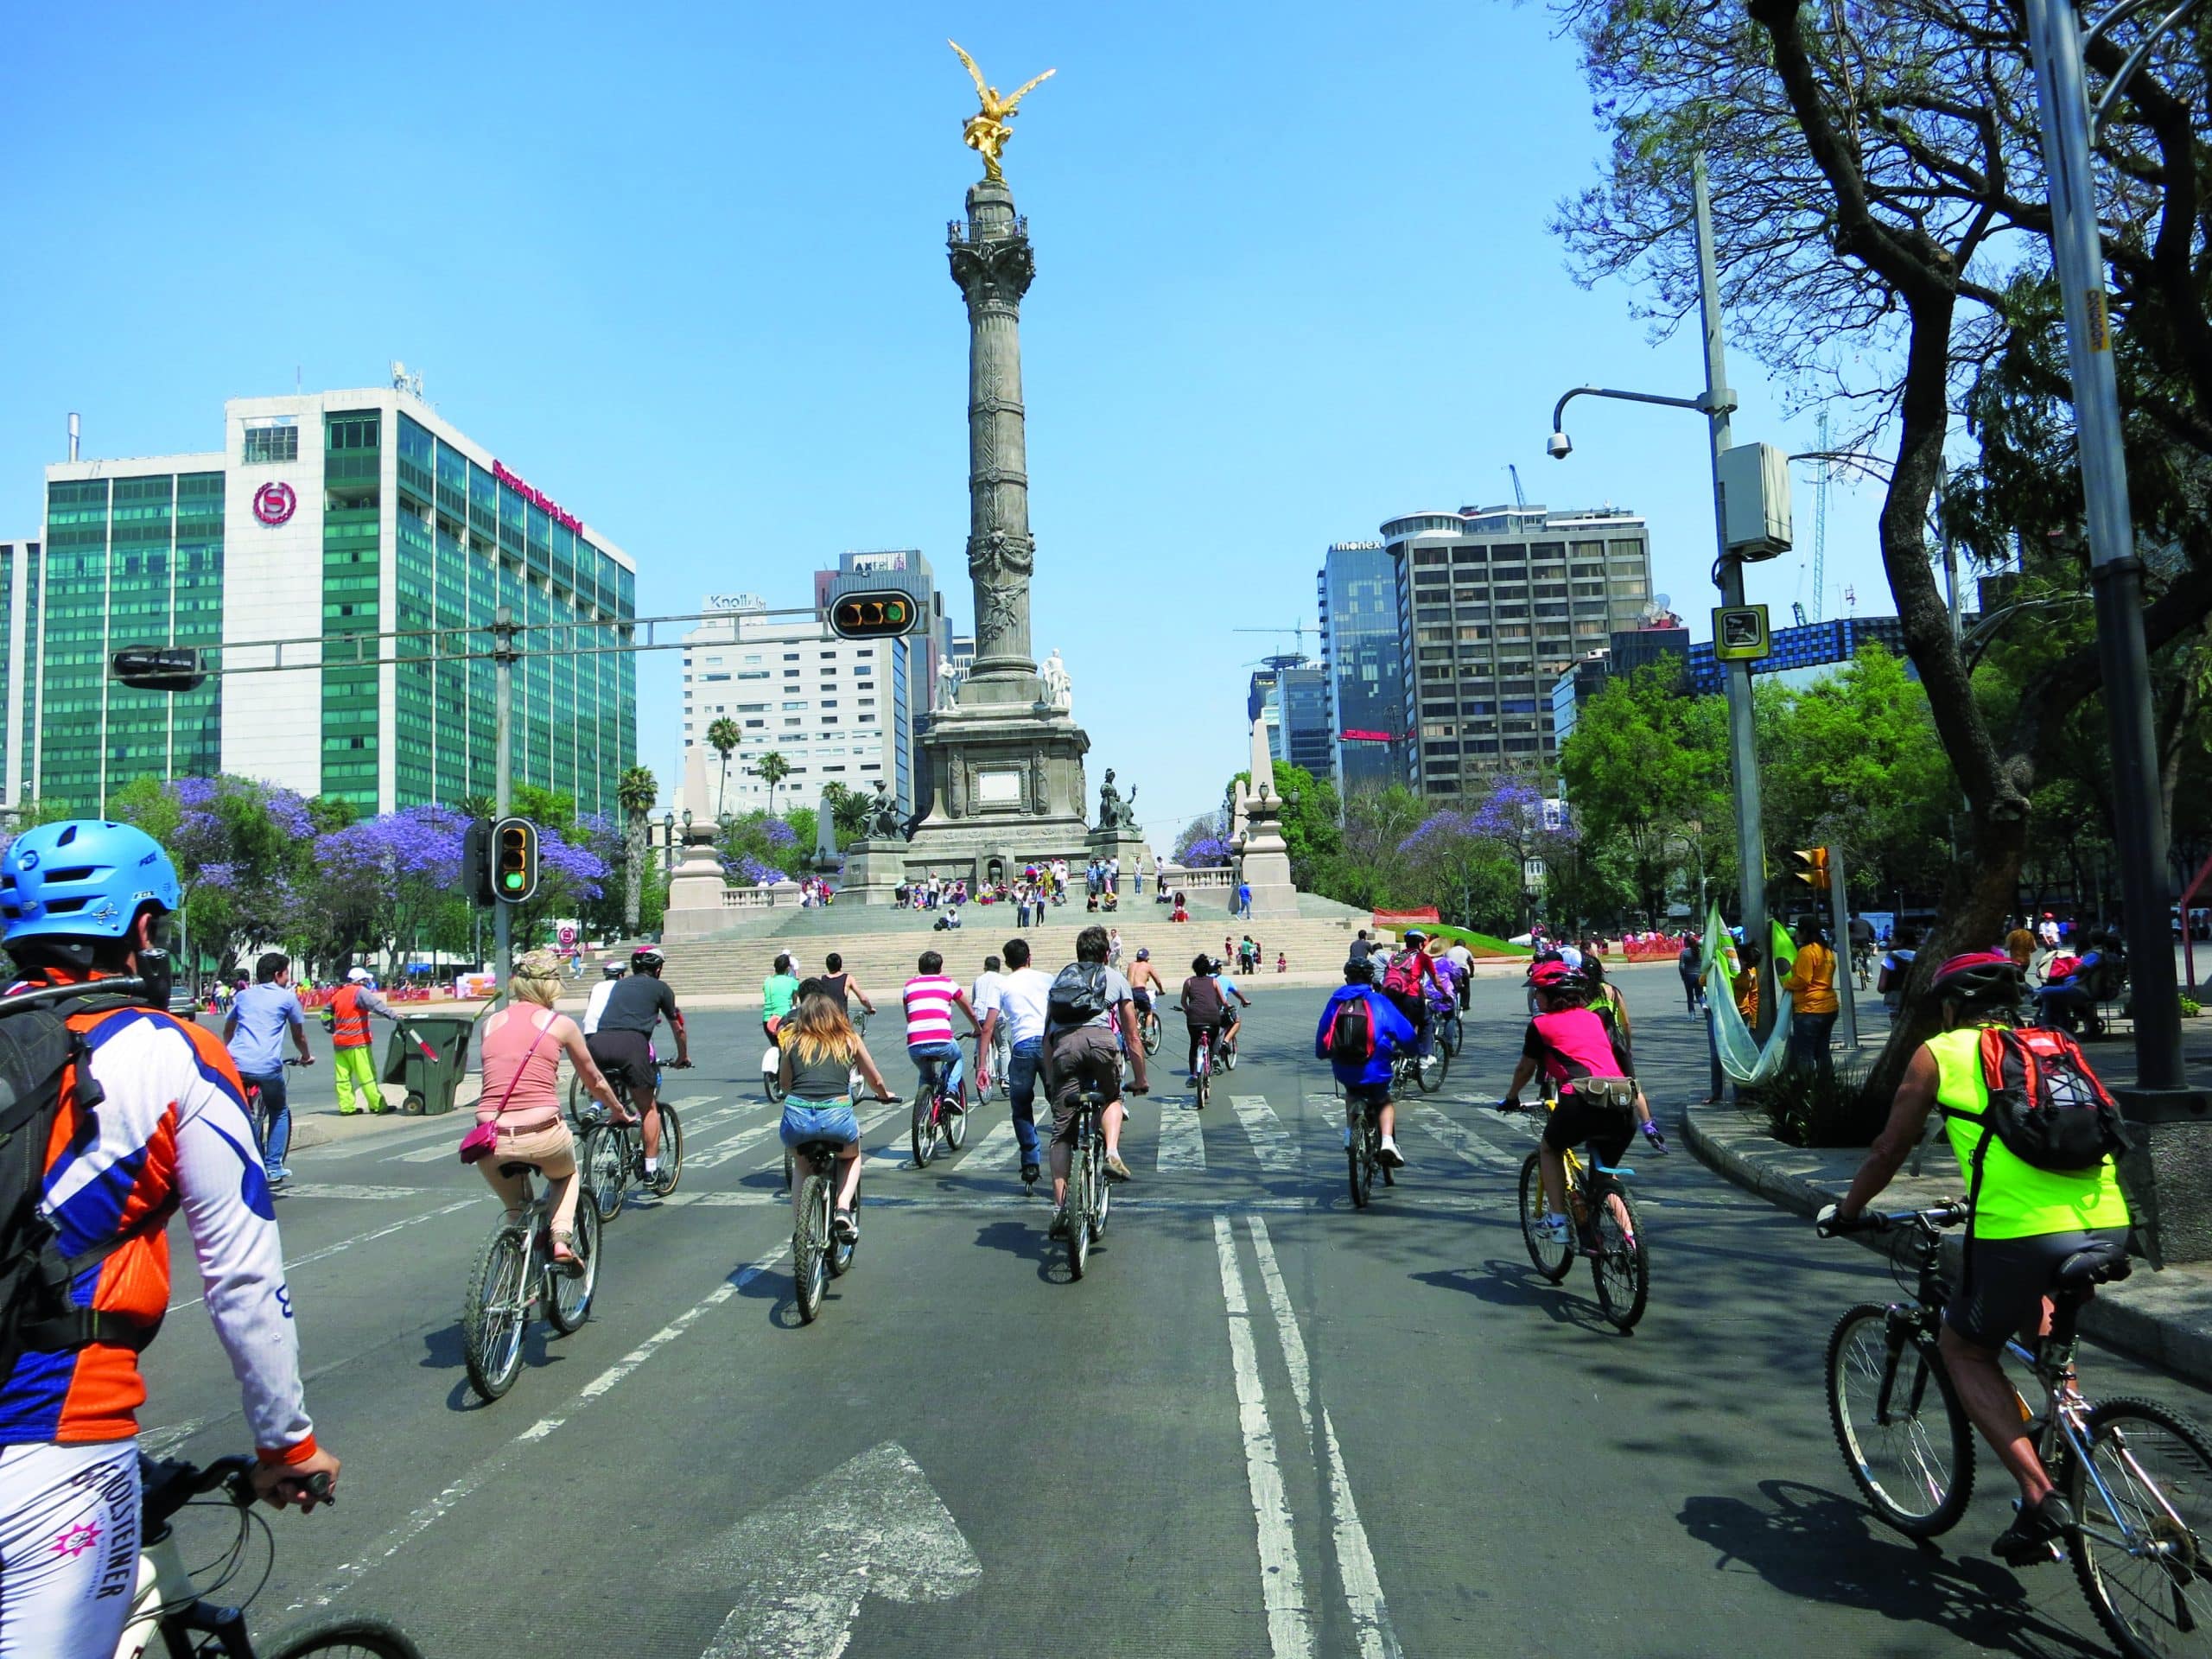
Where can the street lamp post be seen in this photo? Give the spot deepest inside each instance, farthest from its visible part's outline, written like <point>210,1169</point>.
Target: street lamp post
<point>1716,404</point>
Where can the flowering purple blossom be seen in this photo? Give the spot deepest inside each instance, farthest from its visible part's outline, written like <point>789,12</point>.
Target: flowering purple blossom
<point>1207,852</point>
<point>780,834</point>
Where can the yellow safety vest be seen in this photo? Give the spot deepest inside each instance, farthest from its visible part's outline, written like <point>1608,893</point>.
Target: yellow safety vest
<point>2015,1199</point>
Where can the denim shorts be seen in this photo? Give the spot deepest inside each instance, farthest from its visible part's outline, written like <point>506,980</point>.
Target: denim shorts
<point>818,1120</point>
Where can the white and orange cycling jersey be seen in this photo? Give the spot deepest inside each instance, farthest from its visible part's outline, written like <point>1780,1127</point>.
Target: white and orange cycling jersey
<point>170,1133</point>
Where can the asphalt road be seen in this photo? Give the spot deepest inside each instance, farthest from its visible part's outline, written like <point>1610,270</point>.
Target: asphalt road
<point>1264,1424</point>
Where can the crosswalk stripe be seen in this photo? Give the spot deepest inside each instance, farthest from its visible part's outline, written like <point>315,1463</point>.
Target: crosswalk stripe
<point>1472,1146</point>
<point>1181,1144</point>
<point>997,1150</point>
<point>1270,1145</point>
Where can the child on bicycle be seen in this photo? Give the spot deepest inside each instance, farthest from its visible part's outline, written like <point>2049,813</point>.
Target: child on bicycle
<point>1596,1099</point>
<point>1361,1064</point>
<point>930,998</point>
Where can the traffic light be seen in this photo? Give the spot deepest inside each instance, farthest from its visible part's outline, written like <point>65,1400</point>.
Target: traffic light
<point>476,862</point>
<point>874,615</point>
<point>159,668</point>
<point>514,860</point>
<point>1812,871</point>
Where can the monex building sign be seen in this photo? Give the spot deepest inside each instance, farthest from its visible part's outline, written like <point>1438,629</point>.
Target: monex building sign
<point>538,498</point>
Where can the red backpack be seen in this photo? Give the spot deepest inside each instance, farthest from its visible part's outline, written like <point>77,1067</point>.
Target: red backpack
<point>1350,1040</point>
<point>2045,1104</point>
<point>1402,977</point>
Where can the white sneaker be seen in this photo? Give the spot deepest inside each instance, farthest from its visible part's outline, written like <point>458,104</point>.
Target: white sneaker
<point>1389,1153</point>
<point>1551,1229</point>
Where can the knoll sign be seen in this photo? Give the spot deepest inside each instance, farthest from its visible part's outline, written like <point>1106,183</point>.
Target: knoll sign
<point>538,498</point>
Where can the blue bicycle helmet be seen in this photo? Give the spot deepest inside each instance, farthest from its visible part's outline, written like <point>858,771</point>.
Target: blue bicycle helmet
<point>83,878</point>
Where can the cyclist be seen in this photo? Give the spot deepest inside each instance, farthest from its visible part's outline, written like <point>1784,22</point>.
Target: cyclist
<point>347,1019</point>
<point>255,1032</point>
<point>1463,960</point>
<point>622,1046</point>
<point>1595,1098</point>
<point>2026,1221</point>
<point>1366,1082</point>
<point>820,1056</point>
<point>1449,992</point>
<point>1020,1013</point>
<point>1411,971</point>
<point>151,1121</point>
<point>1606,1001</point>
<point>1146,984</point>
<point>1860,931</point>
<point>523,1046</point>
<point>1229,993</point>
<point>1205,1008</point>
<point>1082,1049</point>
<point>778,992</point>
<point>930,998</point>
<point>595,1004</point>
<point>845,986</point>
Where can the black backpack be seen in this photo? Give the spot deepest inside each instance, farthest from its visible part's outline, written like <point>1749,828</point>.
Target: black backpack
<point>1078,997</point>
<point>1351,1038</point>
<point>38,1053</point>
<point>2045,1104</point>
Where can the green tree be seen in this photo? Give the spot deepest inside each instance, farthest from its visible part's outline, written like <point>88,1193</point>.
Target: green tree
<point>850,809</point>
<point>1310,814</point>
<point>635,792</point>
<point>724,736</point>
<point>771,769</point>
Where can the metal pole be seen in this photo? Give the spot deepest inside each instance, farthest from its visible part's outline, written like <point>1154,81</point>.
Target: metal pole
<point>2116,574</point>
<point>503,634</point>
<point>1743,750</point>
<point>1839,934</point>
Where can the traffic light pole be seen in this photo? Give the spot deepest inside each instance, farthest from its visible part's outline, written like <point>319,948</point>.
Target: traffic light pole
<point>504,629</point>
<point>1839,948</point>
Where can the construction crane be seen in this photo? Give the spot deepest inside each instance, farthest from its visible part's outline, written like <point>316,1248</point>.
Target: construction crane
<point>1519,499</point>
<point>1297,630</point>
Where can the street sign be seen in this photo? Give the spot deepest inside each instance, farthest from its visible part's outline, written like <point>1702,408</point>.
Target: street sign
<point>1739,633</point>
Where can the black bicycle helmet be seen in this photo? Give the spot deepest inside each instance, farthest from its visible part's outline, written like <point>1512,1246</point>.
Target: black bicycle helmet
<point>645,959</point>
<point>1977,976</point>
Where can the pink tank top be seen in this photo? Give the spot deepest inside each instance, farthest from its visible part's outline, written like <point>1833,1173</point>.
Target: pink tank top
<point>1574,1042</point>
<point>522,1067</point>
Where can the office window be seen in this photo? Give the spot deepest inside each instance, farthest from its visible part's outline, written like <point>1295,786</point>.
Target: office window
<point>791,656</point>
<point>272,441</point>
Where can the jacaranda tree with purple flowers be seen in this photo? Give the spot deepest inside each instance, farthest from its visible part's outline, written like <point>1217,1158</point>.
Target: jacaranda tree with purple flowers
<point>237,845</point>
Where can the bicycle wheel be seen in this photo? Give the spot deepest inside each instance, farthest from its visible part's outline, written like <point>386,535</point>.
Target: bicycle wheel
<point>956,1128</point>
<point>1915,1468</point>
<point>2143,1500</point>
<point>1229,1055</point>
<point>672,1154</point>
<point>841,1252</point>
<point>491,1317</point>
<point>1552,1259</point>
<point>571,1304</point>
<point>1102,1190</point>
<point>1361,1154</point>
<point>1078,1218</point>
<point>811,1246</point>
<point>1429,1074</point>
<point>1149,1028</point>
<point>603,1169</point>
<point>925,1126</point>
<point>1622,1266</point>
<point>351,1639</point>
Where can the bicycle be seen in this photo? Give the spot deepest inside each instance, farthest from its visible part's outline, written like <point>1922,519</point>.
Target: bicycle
<point>1203,1069</point>
<point>2139,1543</point>
<point>515,1276</point>
<point>1608,1230</point>
<point>1425,1071</point>
<point>1090,1195</point>
<point>1148,1028</point>
<point>612,1155</point>
<point>257,1118</point>
<point>1001,1059</point>
<point>167,1605</point>
<point>1451,1029</point>
<point>818,1254</point>
<point>940,1117</point>
<point>1862,964</point>
<point>1364,1154</point>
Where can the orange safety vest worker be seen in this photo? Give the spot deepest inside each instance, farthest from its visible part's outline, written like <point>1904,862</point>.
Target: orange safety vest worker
<point>350,1020</point>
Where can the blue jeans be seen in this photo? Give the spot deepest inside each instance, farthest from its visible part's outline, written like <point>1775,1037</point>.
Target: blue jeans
<point>1809,1042</point>
<point>1022,1089</point>
<point>818,1120</point>
<point>274,1124</point>
<point>945,1049</point>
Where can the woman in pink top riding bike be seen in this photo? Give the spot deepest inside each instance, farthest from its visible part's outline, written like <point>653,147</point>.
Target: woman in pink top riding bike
<point>522,1048</point>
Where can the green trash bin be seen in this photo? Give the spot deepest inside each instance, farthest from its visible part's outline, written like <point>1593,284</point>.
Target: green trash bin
<point>431,1082</point>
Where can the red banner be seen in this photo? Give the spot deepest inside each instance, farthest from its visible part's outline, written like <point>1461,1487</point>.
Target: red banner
<point>1398,917</point>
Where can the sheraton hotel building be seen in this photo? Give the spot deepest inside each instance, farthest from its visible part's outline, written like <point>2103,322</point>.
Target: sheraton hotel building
<point>323,516</point>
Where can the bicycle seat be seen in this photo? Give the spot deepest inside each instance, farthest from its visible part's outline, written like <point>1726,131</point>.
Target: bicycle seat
<point>821,1149</point>
<point>2101,1263</point>
<point>519,1167</point>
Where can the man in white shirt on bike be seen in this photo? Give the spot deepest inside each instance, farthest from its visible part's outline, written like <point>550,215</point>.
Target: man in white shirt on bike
<point>1017,1015</point>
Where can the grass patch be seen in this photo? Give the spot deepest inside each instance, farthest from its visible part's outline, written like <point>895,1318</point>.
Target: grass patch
<point>1801,1110</point>
<point>1482,945</point>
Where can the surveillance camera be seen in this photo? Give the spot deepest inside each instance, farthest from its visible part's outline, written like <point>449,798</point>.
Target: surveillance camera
<point>1557,446</point>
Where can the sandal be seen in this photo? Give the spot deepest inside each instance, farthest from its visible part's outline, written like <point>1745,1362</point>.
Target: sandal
<point>565,1257</point>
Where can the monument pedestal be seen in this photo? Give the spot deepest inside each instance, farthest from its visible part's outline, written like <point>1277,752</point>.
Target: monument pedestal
<point>1126,843</point>
<point>695,892</point>
<point>873,869</point>
<point>1008,770</point>
<point>1264,866</point>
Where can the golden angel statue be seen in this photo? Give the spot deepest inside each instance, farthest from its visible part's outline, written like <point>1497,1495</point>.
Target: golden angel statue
<point>986,131</point>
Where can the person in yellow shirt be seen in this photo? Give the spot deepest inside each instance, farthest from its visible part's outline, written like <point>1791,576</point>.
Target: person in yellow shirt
<point>1811,982</point>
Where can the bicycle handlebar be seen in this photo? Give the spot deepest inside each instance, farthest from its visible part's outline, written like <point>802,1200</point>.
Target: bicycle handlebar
<point>1950,1213</point>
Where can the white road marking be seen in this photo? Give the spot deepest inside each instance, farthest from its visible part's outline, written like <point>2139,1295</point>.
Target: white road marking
<point>1270,1144</point>
<point>329,1250</point>
<point>1465,1141</point>
<point>1370,1616</point>
<point>1282,1590</point>
<point>418,1522</point>
<point>1182,1145</point>
<point>997,1150</point>
<point>875,1196</point>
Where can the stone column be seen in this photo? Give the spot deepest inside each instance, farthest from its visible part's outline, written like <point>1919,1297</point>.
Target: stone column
<point>992,262</point>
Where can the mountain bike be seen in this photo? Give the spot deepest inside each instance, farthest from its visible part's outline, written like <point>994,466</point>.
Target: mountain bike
<point>818,1254</point>
<point>168,1606</point>
<point>1451,1030</point>
<point>1364,1152</point>
<point>1862,964</point>
<point>1000,1060</point>
<point>515,1276</point>
<point>1090,1195</point>
<point>1607,1230</point>
<point>1148,1028</point>
<point>2137,1477</point>
<point>1202,1071</point>
<point>940,1117</point>
<point>1425,1071</point>
<point>611,1156</point>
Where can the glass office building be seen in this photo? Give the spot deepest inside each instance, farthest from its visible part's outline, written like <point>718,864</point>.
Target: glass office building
<point>1359,661</point>
<point>326,520</point>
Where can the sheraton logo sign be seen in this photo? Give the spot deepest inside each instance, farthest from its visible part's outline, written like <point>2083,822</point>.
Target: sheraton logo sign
<point>538,498</point>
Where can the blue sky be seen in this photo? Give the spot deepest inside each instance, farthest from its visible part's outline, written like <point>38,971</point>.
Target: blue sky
<point>683,268</point>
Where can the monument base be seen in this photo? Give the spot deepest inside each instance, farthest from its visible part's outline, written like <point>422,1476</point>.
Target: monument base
<point>695,909</point>
<point>873,871</point>
<point>1008,770</point>
<point>1264,866</point>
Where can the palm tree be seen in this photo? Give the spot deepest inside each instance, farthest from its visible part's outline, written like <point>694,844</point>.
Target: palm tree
<point>635,792</point>
<point>771,769</point>
<point>723,736</point>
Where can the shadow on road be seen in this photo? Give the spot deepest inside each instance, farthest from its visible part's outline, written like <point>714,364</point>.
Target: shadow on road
<point>1821,1545</point>
<point>1029,1242</point>
<point>1515,1284</point>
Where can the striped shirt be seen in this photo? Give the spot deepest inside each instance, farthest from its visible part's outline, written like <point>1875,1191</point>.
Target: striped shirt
<point>928,1008</point>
